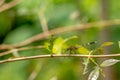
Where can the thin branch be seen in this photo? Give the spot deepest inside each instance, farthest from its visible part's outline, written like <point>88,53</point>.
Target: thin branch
<point>6,47</point>
<point>9,5</point>
<point>66,29</point>
<point>41,36</point>
<point>19,49</point>
<point>15,53</point>
<point>2,2</point>
<point>43,22</point>
<point>60,55</point>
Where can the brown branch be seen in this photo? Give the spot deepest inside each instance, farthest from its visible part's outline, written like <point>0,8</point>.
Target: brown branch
<point>60,55</point>
<point>19,49</point>
<point>43,22</point>
<point>6,47</point>
<point>9,5</point>
<point>66,29</point>
<point>41,36</point>
<point>2,2</point>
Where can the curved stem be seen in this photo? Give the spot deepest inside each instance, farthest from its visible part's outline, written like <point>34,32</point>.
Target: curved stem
<point>60,55</point>
<point>100,24</point>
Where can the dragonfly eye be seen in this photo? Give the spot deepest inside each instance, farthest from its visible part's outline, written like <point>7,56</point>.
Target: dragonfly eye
<point>90,43</point>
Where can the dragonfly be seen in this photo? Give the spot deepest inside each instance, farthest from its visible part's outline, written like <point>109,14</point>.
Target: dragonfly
<point>72,49</point>
<point>90,43</point>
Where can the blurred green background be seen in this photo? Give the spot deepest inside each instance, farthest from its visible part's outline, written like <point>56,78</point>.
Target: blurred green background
<point>23,21</point>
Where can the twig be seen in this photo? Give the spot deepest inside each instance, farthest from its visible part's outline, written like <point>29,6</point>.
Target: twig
<point>2,2</point>
<point>43,22</point>
<point>68,28</point>
<point>6,47</point>
<point>41,36</point>
<point>60,55</point>
<point>19,49</point>
<point>15,53</point>
<point>9,5</point>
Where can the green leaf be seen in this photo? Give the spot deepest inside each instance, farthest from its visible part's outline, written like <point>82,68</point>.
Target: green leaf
<point>109,62</point>
<point>102,72</point>
<point>94,74</point>
<point>83,50</point>
<point>46,45</point>
<point>107,44</point>
<point>60,44</point>
<point>86,62</point>
<point>57,46</point>
<point>100,50</point>
<point>73,37</point>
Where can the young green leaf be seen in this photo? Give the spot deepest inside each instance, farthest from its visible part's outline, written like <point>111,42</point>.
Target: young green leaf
<point>57,46</point>
<point>100,50</point>
<point>102,72</point>
<point>46,45</point>
<point>73,37</point>
<point>107,44</point>
<point>94,74</point>
<point>109,62</point>
<point>83,50</point>
<point>86,62</point>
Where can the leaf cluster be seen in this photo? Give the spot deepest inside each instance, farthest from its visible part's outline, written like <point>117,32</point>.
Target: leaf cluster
<point>59,46</point>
